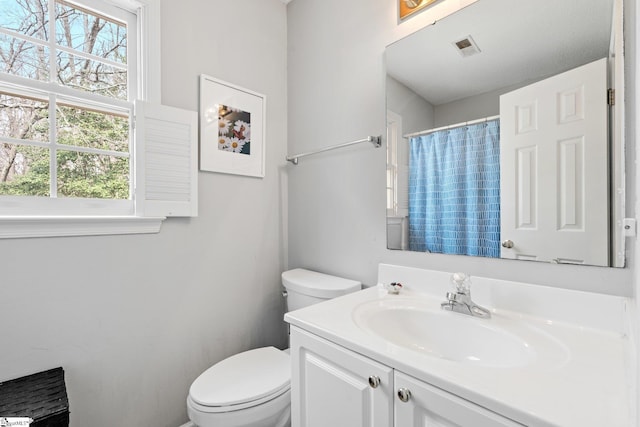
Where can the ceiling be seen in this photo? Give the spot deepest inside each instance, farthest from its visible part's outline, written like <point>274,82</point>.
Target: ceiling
<point>520,41</point>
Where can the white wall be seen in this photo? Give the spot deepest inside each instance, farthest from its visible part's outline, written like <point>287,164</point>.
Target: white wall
<point>416,112</point>
<point>134,319</point>
<point>337,199</point>
<point>471,108</point>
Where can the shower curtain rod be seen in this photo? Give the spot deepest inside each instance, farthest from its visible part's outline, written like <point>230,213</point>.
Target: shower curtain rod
<point>376,140</point>
<point>457,125</point>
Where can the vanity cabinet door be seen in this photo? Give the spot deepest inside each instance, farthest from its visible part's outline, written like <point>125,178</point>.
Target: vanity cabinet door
<point>418,404</point>
<point>335,387</point>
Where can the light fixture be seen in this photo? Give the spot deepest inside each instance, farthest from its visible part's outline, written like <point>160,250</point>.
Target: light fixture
<point>409,7</point>
<point>412,4</point>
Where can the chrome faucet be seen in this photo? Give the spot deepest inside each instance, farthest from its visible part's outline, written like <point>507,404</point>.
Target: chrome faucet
<point>460,300</point>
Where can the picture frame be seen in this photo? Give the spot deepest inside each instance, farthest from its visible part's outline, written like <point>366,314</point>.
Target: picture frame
<point>408,8</point>
<point>232,128</point>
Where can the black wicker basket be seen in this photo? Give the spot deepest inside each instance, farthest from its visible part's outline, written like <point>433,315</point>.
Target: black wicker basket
<point>41,396</point>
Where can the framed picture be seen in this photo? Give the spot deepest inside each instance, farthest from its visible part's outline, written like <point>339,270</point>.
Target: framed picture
<point>407,8</point>
<point>232,128</point>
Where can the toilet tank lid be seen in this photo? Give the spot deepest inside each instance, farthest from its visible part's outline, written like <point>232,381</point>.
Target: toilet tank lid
<point>316,284</point>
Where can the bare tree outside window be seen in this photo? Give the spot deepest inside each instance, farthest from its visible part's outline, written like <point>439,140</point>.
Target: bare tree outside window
<point>47,135</point>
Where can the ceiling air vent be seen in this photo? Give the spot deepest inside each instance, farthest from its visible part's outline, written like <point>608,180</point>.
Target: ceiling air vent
<point>466,46</point>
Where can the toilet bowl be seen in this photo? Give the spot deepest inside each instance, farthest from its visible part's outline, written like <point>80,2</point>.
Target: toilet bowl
<point>252,388</point>
<point>247,389</point>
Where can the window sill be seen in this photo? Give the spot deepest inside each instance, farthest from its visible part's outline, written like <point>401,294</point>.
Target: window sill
<point>49,226</point>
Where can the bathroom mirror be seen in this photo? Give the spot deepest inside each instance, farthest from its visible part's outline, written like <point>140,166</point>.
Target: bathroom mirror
<point>542,177</point>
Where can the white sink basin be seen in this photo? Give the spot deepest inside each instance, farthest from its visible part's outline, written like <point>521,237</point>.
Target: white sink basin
<point>425,328</point>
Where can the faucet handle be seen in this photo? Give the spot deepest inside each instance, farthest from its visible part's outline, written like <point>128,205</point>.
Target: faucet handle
<point>462,283</point>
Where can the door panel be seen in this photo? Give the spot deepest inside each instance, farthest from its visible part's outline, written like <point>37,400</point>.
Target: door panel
<point>553,147</point>
<point>430,406</point>
<point>330,386</point>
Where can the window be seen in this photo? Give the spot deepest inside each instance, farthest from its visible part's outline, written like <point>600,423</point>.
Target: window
<point>397,167</point>
<point>69,81</point>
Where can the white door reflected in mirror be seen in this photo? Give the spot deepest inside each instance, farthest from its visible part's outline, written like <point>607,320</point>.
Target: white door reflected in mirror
<point>553,146</point>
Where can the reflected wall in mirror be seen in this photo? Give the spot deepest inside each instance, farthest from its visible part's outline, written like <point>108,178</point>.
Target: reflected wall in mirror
<point>502,140</point>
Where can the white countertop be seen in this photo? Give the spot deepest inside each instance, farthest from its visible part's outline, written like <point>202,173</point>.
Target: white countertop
<point>582,387</point>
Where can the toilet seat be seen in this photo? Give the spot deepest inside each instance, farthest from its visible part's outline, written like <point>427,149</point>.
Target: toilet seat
<point>247,405</point>
<point>242,381</point>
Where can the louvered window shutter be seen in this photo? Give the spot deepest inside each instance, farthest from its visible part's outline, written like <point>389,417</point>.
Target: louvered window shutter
<point>166,148</point>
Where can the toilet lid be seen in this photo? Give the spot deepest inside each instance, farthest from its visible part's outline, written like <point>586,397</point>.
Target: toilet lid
<point>244,377</point>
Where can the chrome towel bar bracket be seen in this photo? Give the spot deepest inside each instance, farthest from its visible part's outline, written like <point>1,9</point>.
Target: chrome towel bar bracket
<point>375,140</point>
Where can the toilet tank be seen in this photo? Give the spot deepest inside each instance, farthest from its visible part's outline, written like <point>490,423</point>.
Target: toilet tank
<point>306,287</point>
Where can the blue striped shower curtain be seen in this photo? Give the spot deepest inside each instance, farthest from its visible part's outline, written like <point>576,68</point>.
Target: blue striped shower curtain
<point>454,191</point>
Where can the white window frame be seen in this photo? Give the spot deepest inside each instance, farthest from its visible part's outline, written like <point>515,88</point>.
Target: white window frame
<point>54,94</point>
<point>397,167</point>
<point>148,89</point>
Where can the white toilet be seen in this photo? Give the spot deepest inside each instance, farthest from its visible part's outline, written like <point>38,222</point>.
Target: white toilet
<point>252,389</point>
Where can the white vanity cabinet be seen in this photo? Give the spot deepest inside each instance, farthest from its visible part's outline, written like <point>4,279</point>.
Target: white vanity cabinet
<point>532,363</point>
<point>428,406</point>
<point>332,386</point>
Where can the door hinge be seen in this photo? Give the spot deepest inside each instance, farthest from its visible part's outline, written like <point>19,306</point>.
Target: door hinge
<point>611,97</point>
